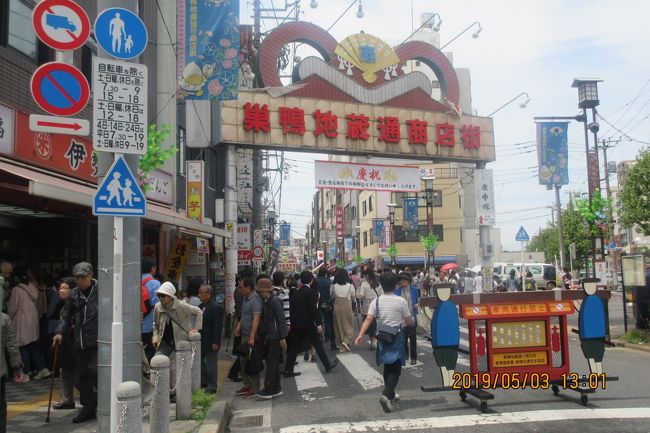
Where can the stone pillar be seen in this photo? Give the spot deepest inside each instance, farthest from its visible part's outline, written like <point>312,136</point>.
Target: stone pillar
<point>129,403</point>
<point>159,413</point>
<point>195,341</point>
<point>183,380</point>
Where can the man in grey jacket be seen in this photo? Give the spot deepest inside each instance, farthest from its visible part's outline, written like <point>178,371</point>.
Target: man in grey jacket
<point>273,334</point>
<point>8,346</point>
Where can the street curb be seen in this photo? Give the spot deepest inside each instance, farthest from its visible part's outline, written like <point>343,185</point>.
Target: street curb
<point>639,347</point>
<point>219,415</point>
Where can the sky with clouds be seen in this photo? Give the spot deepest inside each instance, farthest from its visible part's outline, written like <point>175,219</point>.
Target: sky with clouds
<point>531,46</point>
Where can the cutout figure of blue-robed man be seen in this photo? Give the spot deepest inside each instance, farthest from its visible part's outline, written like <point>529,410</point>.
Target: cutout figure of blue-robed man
<point>445,334</point>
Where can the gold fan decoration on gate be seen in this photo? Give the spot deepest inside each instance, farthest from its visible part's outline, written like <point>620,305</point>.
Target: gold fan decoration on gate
<point>369,54</point>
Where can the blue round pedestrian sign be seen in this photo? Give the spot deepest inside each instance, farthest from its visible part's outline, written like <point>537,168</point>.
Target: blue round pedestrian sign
<point>121,33</point>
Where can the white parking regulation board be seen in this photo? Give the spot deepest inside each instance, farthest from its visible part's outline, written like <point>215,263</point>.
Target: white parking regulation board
<point>119,106</point>
<point>59,125</point>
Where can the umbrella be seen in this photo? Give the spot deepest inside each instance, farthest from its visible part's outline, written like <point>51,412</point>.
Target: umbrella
<point>476,269</point>
<point>448,266</point>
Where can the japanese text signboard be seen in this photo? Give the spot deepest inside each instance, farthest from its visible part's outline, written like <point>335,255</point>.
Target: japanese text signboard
<point>194,170</point>
<point>6,129</point>
<point>369,177</point>
<point>176,259</point>
<point>339,223</point>
<point>336,127</point>
<point>484,197</point>
<point>59,152</point>
<point>119,106</point>
<point>244,236</point>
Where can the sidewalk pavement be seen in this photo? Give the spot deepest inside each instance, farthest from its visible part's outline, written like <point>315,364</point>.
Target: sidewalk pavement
<point>27,410</point>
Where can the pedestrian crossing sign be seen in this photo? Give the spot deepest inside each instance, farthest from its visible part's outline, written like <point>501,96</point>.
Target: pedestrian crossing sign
<point>522,235</point>
<point>119,193</point>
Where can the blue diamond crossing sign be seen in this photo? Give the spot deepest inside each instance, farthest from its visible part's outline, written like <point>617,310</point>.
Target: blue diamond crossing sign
<point>522,235</point>
<point>119,193</point>
<point>121,33</point>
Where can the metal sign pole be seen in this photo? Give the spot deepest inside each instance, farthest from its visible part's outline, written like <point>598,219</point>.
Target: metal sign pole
<point>117,325</point>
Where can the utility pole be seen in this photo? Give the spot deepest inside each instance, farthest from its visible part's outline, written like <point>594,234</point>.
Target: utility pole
<point>610,225</point>
<point>559,223</point>
<point>257,153</point>
<point>131,367</point>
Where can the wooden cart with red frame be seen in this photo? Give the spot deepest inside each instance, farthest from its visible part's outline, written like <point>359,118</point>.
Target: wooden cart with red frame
<point>517,340</point>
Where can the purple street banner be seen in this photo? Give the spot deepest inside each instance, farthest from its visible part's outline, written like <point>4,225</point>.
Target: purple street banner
<point>553,153</point>
<point>410,223</point>
<point>208,49</point>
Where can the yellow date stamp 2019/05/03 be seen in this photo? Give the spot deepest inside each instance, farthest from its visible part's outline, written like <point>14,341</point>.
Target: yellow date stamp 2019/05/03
<point>527,380</point>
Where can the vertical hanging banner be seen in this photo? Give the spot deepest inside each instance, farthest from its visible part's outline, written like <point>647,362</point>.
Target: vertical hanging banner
<point>194,193</point>
<point>285,235</point>
<point>208,49</point>
<point>176,259</point>
<point>593,172</point>
<point>379,231</point>
<point>339,223</point>
<point>484,196</point>
<point>410,223</point>
<point>553,153</point>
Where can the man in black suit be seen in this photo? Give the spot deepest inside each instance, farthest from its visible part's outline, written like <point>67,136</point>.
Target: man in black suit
<point>210,338</point>
<point>306,323</point>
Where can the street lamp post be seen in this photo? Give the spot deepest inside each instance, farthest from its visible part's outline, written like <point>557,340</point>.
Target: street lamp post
<point>474,35</point>
<point>391,219</point>
<point>428,189</point>
<point>588,98</point>
<point>521,105</point>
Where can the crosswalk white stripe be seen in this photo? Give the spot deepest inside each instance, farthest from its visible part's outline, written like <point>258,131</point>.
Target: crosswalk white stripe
<point>310,376</point>
<point>473,420</point>
<point>367,376</point>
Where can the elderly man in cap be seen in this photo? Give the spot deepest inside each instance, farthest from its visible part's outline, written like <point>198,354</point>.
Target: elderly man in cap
<point>80,311</point>
<point>412,295</point>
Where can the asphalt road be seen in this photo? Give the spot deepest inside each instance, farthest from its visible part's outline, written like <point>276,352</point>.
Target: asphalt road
<point>347,399</point>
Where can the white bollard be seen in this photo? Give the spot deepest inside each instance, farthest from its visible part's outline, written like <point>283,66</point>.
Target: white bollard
<point>159,413</point>
<point>129,404</point>
<point>195,340</point>
<point>183,380</point>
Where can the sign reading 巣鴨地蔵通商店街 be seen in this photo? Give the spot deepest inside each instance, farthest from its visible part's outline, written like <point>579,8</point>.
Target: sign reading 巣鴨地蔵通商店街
<point>320,125</point>
<point>344,175</point>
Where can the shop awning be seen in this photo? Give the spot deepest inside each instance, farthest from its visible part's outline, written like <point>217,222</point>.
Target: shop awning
<point>55,188</point>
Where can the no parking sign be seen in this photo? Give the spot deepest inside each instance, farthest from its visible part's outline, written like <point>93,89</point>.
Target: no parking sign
<point>60,89</point>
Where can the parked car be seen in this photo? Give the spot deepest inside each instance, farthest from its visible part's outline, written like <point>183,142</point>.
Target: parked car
<point>544,274</point>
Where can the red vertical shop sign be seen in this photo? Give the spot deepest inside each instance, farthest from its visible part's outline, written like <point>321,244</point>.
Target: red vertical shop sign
<point>67,154</point>
<point>339,223</point>
<point>593,172</point>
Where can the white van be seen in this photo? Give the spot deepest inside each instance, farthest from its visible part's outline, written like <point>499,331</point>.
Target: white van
<point>544,274</point>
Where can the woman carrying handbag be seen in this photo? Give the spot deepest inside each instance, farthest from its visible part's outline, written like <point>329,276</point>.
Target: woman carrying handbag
<point>343,294</point>
<point>391,312</point>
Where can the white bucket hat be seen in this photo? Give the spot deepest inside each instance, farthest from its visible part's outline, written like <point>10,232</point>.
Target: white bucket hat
<point>167,288</point>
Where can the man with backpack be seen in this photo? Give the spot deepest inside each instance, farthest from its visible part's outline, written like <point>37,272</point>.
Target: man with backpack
<point>149,300</point>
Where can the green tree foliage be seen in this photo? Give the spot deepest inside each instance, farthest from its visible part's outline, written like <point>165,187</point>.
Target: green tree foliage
<point>156,154</point>
<point>575,231</point>
<point>635,198</point>
<point>392,251</point>
<point>429,241</point>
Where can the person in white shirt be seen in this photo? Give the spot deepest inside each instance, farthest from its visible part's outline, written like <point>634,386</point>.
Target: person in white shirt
<point>478,283</point>
<point>394,312</point>
<point>366,293</point>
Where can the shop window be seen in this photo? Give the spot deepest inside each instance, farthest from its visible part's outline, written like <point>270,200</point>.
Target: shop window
<point>87,55</point>
<point>21,35</point>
